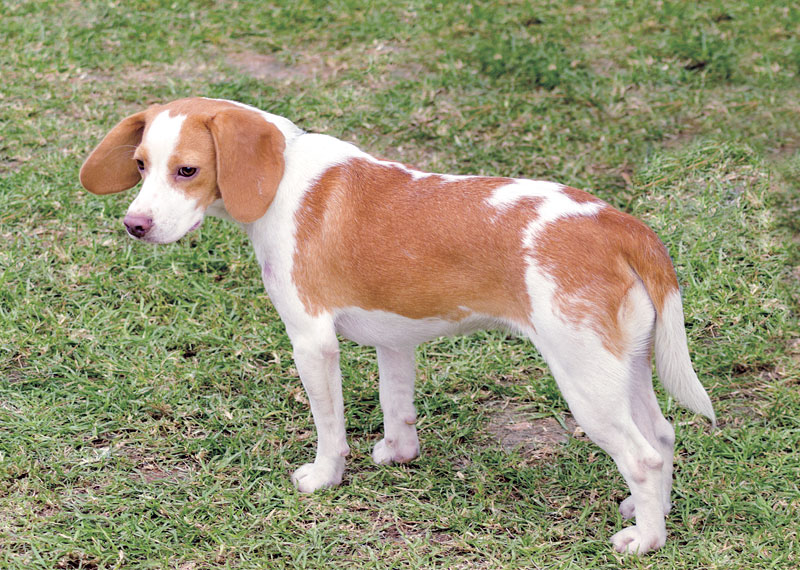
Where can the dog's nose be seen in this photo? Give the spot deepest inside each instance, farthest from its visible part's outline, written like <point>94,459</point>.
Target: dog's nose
<point>138,225</point>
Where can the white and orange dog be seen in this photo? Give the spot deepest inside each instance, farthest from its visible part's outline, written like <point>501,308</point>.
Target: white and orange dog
<point>391,257</point>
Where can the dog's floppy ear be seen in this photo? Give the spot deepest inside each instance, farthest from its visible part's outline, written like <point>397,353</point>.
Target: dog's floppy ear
<point>110,167</point>
<point>250,161</point>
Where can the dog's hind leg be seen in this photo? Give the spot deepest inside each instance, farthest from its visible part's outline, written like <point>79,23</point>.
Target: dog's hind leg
<point>597,390</point>
<point>655,427</point>
<point>397,373</point>
<point>603,383</point>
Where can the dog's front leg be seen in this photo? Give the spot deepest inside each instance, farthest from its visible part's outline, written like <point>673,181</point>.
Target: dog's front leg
<point>317,360</point>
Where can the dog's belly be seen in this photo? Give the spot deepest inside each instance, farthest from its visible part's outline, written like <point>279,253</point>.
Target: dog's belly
<point>380,328</point>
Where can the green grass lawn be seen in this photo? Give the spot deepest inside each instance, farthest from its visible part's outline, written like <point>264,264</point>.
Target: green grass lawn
<point>150,413</point>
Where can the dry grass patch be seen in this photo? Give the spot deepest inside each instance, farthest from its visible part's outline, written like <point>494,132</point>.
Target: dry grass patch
<point>530,434</point>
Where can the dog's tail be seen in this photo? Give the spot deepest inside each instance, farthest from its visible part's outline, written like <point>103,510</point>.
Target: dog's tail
<point>651,262</point>
<point>672,359</point>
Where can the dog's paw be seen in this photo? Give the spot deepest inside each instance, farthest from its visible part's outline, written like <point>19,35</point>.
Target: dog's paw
<point>632,540</point>
<point>386,454</point>
<point>318,475</point>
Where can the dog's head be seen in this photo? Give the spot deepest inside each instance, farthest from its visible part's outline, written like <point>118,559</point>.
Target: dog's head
<point>189,154</point>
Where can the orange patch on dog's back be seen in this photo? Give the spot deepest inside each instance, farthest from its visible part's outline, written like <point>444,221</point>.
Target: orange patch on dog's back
<point>373,236</point>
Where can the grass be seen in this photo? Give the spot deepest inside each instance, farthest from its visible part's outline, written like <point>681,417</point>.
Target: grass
<point>150,414</point>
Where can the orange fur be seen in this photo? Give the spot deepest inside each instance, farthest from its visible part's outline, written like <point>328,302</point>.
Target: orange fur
<point>249,153</point>
<point>371,236</point>
<point>110,167</point>
<point>595,261</point>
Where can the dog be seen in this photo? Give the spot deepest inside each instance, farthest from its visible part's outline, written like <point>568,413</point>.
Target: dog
<point>389,256</point>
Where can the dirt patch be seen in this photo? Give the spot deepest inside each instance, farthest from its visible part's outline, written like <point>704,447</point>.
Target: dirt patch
<point>189,71</point>
<point>149,470</point>
<point>400,533</point>
<point>267,66</point>
<point>13,372</point>
<point>12,164</point>
<point>516,429</point>
<point>78,560</point>
<point>388,65</point>
<point>786,148</point>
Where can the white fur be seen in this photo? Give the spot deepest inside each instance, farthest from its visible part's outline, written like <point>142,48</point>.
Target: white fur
<point>397,369</point>
<point>509,194</point>
<point>273,238</point>
<point>374,328</point>
<point>673,362</point>
<point>555,204</point>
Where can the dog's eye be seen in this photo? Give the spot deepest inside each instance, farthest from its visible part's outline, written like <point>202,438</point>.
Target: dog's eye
<point>186,171</point>
<point>139,165</point>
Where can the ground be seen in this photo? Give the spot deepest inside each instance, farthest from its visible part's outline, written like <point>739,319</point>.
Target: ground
<point>150,414</point>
